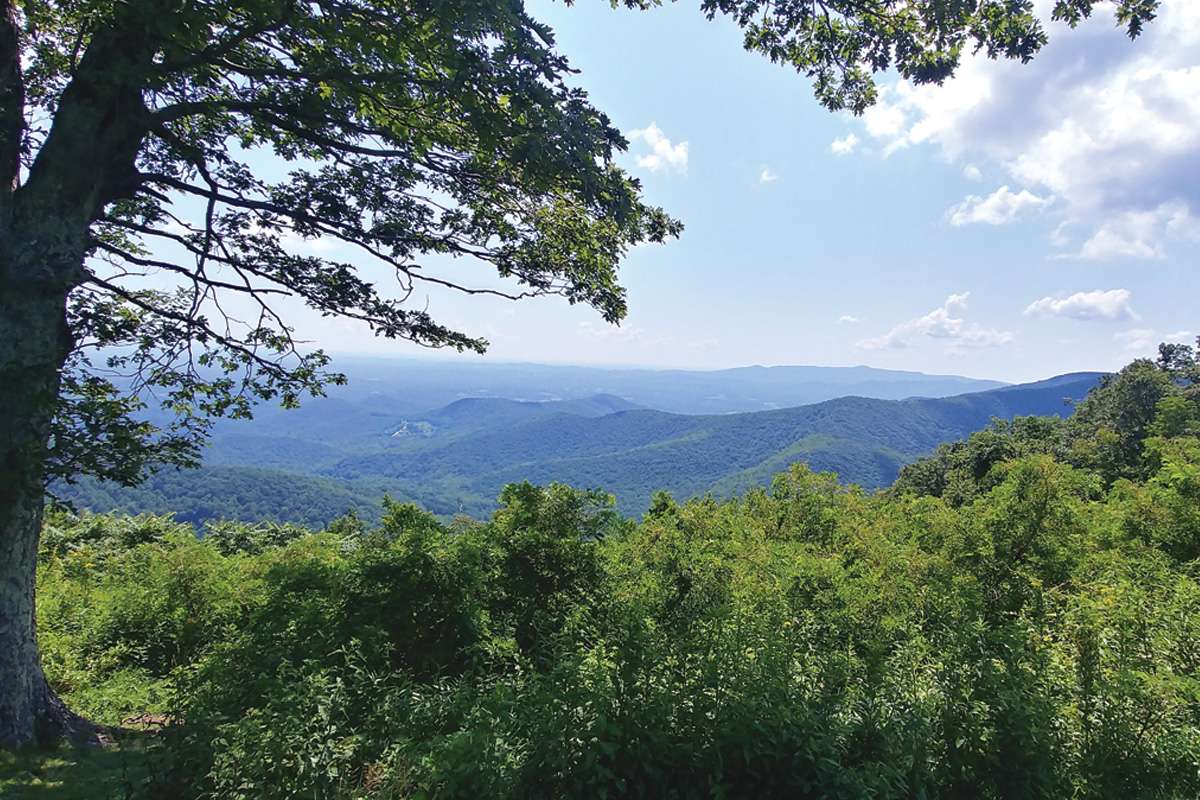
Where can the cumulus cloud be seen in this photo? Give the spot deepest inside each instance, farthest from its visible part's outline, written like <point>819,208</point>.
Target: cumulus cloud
<point>1108,127</point>
<point>1137,340</point>
<point>663,154</point>
<point>999,208</point>
<point>941,323</point>
<point>844,145</point>
<point>611,333</point>
<point>1136,234</point>
<point>972,173</point>
<point>767,176</point>
<point>846,318</point>
<point>1111,305</point>
<point>288,238</point>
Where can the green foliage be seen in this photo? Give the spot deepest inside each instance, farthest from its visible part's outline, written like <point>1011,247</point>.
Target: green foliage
<point>228,538</point>
<point>841,43</point>
<point>122,604</point>
<point>1109,428</point>
<point>810,639</point>
<point>1165,512</point>
<point>961,471</point>
<point>1115,433</point>
<point>1028,634</point>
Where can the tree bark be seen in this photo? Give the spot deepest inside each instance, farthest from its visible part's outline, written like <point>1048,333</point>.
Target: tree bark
<point>34,342</point>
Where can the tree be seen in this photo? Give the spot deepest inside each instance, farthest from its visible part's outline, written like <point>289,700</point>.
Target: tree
<point>962,471</point>
<point>158,158</point>
<point>1108,431</point>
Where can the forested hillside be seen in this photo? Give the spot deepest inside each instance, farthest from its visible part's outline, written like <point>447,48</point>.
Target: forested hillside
<point>1017,617</point>
<point>245,493</point>
<point>632,454</point>
<point>455,459</point>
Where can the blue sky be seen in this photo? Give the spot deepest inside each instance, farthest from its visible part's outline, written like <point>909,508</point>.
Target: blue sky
<point>1018,222</point>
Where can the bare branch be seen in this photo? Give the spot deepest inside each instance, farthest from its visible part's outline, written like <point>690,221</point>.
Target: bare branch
<point>194,323</point>
<point>196,276</point>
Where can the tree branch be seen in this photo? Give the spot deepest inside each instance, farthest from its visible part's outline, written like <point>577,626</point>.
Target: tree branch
<point>195,276</point>
<point>12,107</point>
<point>196,323</point>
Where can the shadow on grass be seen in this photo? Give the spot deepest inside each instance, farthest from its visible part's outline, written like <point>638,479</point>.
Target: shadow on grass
<point>119,772</point>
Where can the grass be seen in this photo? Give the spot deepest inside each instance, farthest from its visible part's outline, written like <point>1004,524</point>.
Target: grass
<point>79,773</point>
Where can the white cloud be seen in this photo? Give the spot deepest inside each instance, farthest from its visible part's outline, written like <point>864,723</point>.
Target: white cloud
<point>1109,305</point>
<point>626,337</point>
<point>1180,337</point>
<point>886,120</point>
<point>1138,340</point>
<point>292,241</point>
<point>972,173</point>
<point>610,333</point>
<point>664,154</point>
<point>1108,127</point>
<point>941,324</point>
<point>999,208</point>
<point>767,176</point>
<point>844,145</point>
<point>1131,235</point>
<point>1180,223</point>
<point>846,318</point>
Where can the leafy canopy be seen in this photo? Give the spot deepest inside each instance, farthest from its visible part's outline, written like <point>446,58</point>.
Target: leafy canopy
<point>405,130</point>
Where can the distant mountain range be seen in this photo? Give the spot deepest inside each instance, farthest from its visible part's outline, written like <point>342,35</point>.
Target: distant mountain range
<point>410,385</point>
<point>375,435</point>
<point>472,447</point>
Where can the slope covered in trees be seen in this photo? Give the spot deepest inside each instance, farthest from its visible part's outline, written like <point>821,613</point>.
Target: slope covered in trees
<point>234,493</point>
<point>453,460</point>
<point>1027,627</point>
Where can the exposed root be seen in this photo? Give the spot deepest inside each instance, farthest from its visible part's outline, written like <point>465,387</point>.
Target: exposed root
<point>56,722</point>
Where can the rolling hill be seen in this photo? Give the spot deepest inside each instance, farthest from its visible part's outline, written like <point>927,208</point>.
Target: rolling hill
<point>633,453</point>
<point>456,458</point>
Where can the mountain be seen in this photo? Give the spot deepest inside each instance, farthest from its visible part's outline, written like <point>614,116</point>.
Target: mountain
<point>479,414</point>
<point>410,386</point>
<point>633,453</point>
<point>618,429</point>
<point>346,452</point>
<point>389,399</point>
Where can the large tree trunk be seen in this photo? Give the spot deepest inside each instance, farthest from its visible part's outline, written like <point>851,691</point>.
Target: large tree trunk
<point>34,342</point>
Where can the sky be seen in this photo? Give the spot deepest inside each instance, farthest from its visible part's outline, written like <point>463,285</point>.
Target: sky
<point>1018,222</point>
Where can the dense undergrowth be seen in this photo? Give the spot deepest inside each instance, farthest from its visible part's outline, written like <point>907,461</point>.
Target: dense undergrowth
<point>1018,617</point>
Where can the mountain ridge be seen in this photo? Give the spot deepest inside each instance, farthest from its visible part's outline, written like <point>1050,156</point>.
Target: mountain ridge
<point>457,457</point>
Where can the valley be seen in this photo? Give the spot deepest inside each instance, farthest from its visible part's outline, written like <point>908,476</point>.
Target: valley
<point>345,451</point>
